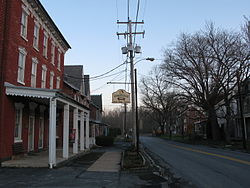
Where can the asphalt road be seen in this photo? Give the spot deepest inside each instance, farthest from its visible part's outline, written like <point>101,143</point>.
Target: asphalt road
<point>203,166</point>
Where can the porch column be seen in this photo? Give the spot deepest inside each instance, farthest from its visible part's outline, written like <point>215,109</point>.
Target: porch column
<point>66,131</point>
<point>93,128</point>
<point>82,132</point>
<point>87,130</point>
<point>75,127</point>
<point>52,133</point>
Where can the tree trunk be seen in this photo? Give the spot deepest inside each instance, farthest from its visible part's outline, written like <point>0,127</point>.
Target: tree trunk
<point>214,124</point>
<point>228,121</point>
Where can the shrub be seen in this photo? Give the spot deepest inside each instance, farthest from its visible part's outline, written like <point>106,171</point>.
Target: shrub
<point>114,132</point>
<point>104,140</point>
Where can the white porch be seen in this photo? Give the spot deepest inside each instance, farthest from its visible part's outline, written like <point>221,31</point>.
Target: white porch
<point>54,99</point>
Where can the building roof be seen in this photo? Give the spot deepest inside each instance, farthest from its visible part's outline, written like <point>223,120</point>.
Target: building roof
<point>73,74</point>
<point>38,7</point>
<point>97,100</point>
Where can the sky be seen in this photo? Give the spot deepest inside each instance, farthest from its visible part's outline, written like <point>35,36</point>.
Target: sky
<point>90,27</point>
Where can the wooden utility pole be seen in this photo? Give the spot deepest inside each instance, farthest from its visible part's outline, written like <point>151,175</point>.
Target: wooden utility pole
<point>131,51</point>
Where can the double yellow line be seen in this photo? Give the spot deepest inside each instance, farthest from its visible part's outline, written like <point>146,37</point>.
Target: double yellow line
<point>212,154</point>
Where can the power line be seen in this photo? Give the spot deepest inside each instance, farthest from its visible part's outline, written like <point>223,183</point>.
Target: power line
<point>105,85</point>
<point>128,9</point>
<point>136,19</point>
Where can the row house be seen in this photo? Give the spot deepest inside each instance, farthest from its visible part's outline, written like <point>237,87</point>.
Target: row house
<point>76,85</point>
<point>35,112</point>
<point>191,121</point>
<point>97,126</point>
<point>235,129</point>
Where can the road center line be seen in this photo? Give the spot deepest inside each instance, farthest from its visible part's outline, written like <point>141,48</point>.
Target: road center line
<point>212,154</point>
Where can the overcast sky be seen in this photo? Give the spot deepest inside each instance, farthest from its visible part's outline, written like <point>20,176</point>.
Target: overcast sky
<point>90,28</point>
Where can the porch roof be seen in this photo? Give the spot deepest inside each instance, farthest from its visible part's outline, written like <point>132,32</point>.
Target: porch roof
<point>42,93</point>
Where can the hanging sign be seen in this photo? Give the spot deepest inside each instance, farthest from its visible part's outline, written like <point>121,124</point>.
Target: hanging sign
<point>121,96</point>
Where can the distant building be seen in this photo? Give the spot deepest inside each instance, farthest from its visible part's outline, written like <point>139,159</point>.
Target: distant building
<point>98,127</point>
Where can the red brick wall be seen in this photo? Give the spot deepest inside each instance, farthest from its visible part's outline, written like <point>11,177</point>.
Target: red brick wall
<point>17,41</point>
<point>9,61</point>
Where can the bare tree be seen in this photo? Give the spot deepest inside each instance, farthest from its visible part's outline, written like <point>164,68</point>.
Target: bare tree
<point>204,65</point>
<point>158,98</point>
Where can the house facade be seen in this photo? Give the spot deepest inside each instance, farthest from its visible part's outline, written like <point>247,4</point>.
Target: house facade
<point>97,126</point>
<point>35,112</point>
<point>235,129</point>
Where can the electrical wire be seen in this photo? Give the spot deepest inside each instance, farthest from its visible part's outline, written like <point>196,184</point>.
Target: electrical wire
<point>128,9</point>
<point>118,73</point>
<point>99,76</point>
<point>136,19</point>
<point>105,85</point>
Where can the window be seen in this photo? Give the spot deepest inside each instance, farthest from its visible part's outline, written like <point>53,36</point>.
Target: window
<point>45,45</point>
<point>53,53</point>
<point>51,82</point>
<point>58,80</point>
<point>21,65</point>
<point>36,36</point>
<point>18,122</point>
<point>44,73</point>
<point>24,24</point>
<point>33,72</point>
<point>59,61</point>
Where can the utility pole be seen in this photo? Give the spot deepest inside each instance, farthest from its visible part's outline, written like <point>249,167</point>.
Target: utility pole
<point>125,120</point>
<point>130,50</point>
<point>136,112</point>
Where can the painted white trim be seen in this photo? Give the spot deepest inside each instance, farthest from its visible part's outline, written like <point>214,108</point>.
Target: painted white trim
<point>51,80</point>
<point>75,126</point>
<point>24,22</point>
<point>87,130</point>
<point>82,131</point>
<point>58,82</point>
<point>52,133</point>
<point>33,78</point>
<point>66,131</point>
<point>28,92</point>
<point>44,76</point>
<point>45,44</point>
<point>36,43</point>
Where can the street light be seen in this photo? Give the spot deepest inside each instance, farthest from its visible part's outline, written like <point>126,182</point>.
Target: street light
<point>136,128</point>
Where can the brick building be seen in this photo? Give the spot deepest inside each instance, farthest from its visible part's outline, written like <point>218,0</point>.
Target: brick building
<point>35,111</point>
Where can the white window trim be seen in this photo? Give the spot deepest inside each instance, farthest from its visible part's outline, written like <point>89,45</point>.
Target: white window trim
<point>53,47</point>
<point>58,81</point>
<point>45,44</point>
<point>27,13</point>
<point>34,63</point>
<point>44,69</point>
<point>36,45</point>
<point>59,60</point>
<point>19,106</point>
<point>24,53</point>
<point>51,80</point>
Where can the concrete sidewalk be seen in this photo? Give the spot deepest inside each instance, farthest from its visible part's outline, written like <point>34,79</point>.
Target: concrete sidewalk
<point>109,162</point>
